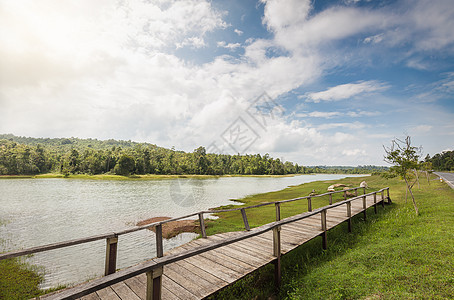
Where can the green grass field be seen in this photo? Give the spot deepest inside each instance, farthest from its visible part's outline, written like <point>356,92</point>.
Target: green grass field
<point>393,255</point>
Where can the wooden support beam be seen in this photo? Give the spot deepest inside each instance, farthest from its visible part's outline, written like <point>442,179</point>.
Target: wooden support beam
<point>356,192</point>
<point>389,198</point>
<point>159,245</point>
<point>364,207</point>
<point>330,199</point>
<point>154,284</point>
<point>278,211</point>
<point>111,255</point>
<point>309,204</point>
<point>324,235</point>
<point>345,195</point>
<point>245,221</point>
<point>375,202</point>
<point>202,225</point>
<point>364,190</point>
<point>277,254</point>
<point>349,215</point>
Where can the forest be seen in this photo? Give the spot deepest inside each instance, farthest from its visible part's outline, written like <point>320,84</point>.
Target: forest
<point>31,156</point>
<point>443,161</point>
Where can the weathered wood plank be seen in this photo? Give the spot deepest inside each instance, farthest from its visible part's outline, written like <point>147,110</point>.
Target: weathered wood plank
<point>228,263</point>
<point>202,273</point>
<point>108,294</point>
<point>177,289</point>
<point>124,292</point>
<point>140,286</point>
<point>92,296</point>
<point>209,266</point>
<point>194,284</point>
<point>137,286</point>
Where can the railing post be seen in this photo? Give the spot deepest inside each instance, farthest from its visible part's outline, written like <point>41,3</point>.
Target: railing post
<point>345,195</point>
<point>202,225</point>
<point>389,199</point>
<point>324,235</point>
<point>364,207</point>
<point>349,215</point>
<point>356,192</point>
<point>309,204</point>
<point>246,223</point>
<point>154,284</point>
<point>330,199</point>
<point>278,211</point>
<point>364,190</point>
<point>375,202</point>
<point>159,246</point>
<point>277,254</point>
<point>111,255</point>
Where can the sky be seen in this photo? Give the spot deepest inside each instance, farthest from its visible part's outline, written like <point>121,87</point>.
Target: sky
<point>312,82</point>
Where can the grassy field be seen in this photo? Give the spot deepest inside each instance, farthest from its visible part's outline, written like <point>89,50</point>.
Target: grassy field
<point>393,255</point>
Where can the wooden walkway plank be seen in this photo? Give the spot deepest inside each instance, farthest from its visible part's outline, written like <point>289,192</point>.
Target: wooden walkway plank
<point>187,279</point>
<point>138,286</point>
<point>107,293</point>
<point>124,292</point>
<point>177,289</point>
<point>202,273</point>
<point>92,296</point>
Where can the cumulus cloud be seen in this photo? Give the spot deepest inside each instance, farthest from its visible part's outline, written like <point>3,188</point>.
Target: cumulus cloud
<point>231,46</point>
<point>346,91</point>
<point>109,70</point>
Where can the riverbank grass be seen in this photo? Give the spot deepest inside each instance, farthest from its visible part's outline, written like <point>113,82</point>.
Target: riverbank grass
<point>395,254</point>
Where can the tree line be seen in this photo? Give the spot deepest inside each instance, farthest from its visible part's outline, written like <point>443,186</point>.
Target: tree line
<point>31,156</point>
<point>443,161</point>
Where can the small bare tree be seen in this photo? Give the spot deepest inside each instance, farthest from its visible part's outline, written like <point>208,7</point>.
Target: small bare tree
<point>404,158</point>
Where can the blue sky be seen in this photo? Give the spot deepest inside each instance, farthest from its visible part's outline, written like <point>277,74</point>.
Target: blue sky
<point>313,82</point>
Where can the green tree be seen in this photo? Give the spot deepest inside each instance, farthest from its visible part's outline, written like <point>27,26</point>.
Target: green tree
<point>404,158</point>
<point>125,165</point>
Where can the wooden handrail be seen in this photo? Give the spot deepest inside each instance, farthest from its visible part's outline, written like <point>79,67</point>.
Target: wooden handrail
<point>137,228</point>
<point>159,262</point>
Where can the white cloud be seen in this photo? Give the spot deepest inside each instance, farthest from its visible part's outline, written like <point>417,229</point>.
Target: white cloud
<point>237,31</point>
<point>375,39</point>
<point>231,46</point>
<point>98,69</point>
<point>346,91</point>
<point>332,114</point>
<point>351,126</point>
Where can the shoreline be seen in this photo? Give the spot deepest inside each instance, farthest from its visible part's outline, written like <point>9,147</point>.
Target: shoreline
<point>174,228</point>
<point>134,177</point>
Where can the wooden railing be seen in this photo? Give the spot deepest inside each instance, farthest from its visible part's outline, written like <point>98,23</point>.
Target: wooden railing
<point>154,268</point>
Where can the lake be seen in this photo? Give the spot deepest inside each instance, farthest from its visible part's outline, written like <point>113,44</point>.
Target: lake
<point>36,212</point>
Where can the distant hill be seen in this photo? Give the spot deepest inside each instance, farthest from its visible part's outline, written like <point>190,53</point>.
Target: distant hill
<point>70,143</point>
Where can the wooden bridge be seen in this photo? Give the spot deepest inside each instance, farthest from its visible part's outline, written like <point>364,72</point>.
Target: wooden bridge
<point>204,266</point>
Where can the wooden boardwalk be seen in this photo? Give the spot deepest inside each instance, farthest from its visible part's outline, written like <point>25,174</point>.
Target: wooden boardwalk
<point>201,275</point>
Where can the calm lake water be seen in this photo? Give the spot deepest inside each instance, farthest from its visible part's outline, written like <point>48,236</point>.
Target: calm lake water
<point>36,212</point>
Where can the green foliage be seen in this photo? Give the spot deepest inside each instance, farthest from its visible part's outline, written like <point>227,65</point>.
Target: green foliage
<point>442,161</point>
<point>68,156</point>
<point>402,156</point>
